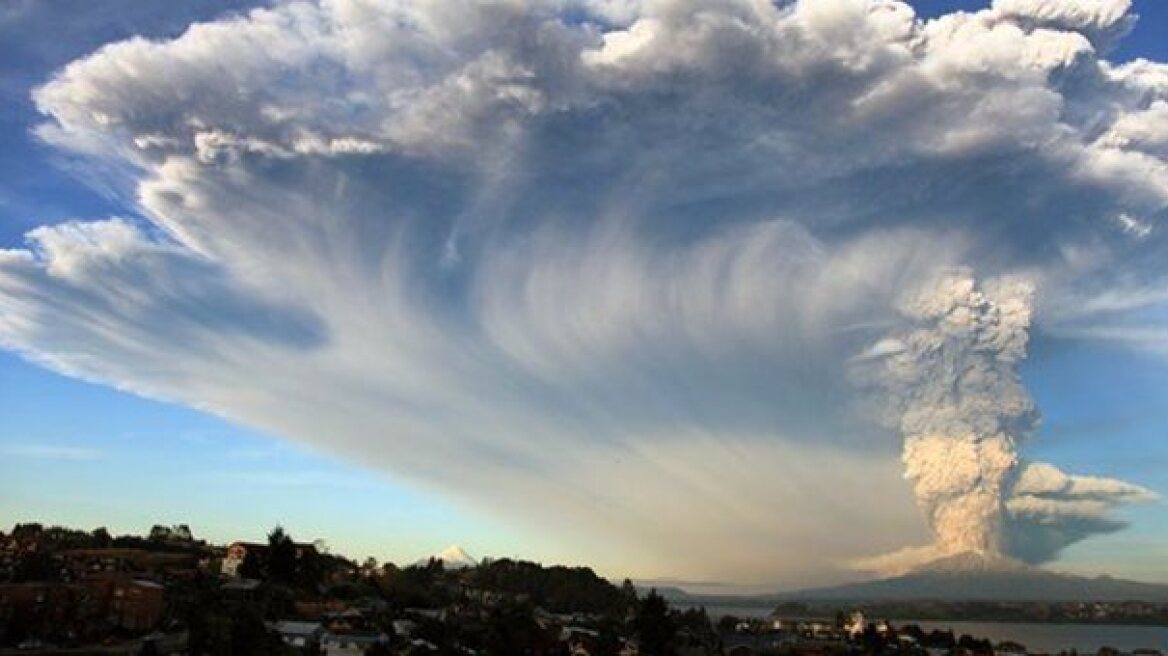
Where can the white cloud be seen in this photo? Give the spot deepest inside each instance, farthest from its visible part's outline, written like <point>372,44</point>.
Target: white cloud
<point>1103,20</point>
<point>604,273</point>
<point>1044,480</point>
<point>51,452</point>
<point>1050,509</point>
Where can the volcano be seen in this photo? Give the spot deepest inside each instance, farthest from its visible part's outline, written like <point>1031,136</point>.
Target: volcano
<point>452,557</point>
<point>975,576</point>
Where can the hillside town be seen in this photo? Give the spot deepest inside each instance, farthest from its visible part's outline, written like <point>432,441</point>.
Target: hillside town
<point>66,591</point>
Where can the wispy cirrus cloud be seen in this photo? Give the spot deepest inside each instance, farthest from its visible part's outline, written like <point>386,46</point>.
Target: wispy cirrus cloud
<point>51,452</point>
<point>603,272</point>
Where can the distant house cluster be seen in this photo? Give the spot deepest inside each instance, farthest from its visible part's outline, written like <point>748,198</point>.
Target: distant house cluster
<point>72,592</point>
<point>75,587</point>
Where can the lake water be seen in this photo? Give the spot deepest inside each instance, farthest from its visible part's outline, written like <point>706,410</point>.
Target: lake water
<point>1086,638</point>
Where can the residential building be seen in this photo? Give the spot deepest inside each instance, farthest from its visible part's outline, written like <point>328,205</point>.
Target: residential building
<point>300,635</point>
<point>350,644</point>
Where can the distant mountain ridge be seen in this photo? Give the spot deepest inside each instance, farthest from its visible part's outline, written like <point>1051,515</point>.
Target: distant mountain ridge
<point>975,576</point>
<point>964,577</point>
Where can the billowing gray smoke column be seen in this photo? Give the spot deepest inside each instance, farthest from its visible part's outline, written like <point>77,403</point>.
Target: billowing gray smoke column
<point>950,384</point>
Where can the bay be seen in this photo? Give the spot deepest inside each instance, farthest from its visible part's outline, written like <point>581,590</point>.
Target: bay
<point>1037,637</point>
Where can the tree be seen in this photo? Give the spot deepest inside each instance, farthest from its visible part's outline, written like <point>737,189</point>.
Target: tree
<point>250,636</point>
<point>654,626</point>
<point>629,592</point>
<point>281,556</point>
<point>309,570</point>
<point>36,566</point>
<point>27,531</point>
<point>510,630</point>
<point>975,645</point>
<point>694,628</point>
<point>252,566</point>
<point>728,623</point>
<point>872,640</point>
<point>101,537</point>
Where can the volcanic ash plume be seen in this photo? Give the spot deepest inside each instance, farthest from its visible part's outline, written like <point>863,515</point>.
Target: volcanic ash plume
<point>950,385</point>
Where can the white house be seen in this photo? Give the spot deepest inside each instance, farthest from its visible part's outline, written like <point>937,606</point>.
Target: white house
<point>350,644</point>
<point>404,628</point>
<point>298,634</point>
<point>855,624</point>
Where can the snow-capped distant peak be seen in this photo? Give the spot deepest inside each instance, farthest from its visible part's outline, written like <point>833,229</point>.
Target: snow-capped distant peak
<point>452,557</point>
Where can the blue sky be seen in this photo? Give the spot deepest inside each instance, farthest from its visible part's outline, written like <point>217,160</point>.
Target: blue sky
<point>1108,421</point>
<point>85,454</point>
<point>117,460</point>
